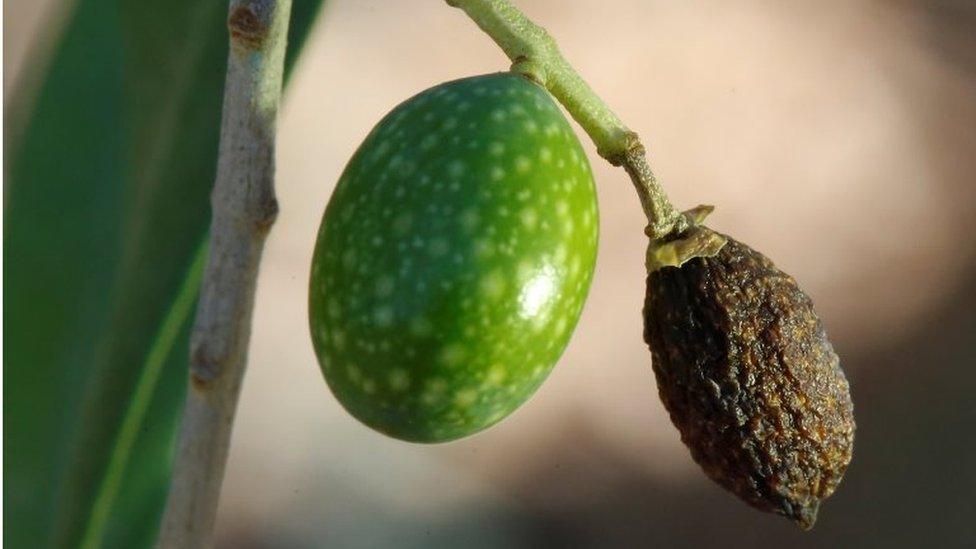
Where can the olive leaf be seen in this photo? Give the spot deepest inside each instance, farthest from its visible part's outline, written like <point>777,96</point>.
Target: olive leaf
<point>106,212</point>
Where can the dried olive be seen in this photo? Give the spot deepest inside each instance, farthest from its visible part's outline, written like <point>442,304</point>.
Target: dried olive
<point>746,372</point>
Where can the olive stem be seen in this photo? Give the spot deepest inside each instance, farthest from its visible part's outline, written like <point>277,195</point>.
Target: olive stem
<point>534,53</point>
<point>243,209</point>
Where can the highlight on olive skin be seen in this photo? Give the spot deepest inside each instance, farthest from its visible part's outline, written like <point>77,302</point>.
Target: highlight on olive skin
<point>454,259</point>
<point>746,372</point>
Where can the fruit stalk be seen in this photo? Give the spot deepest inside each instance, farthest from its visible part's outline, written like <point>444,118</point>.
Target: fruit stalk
<point>743,363</point>
<point>244,208</point>
<point>534,54</point>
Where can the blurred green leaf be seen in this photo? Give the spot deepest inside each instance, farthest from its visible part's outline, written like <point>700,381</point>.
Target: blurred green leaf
<point>105,217</point>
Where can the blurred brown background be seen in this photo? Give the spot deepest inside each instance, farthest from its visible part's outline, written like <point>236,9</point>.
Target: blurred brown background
<point>836,136</point>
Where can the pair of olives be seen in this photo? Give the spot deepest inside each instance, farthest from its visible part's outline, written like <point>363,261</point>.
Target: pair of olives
<point>452,264</point>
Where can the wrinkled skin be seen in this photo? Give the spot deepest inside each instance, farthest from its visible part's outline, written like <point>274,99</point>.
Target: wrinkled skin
<point>746,372</point>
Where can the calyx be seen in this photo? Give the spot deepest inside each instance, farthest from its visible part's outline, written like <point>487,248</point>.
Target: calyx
<point>695,241</point>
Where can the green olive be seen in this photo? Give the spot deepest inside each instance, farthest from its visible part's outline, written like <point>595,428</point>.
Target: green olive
<point>453,259</point>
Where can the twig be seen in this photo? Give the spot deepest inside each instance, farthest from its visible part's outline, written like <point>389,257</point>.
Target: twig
<point>534,53</point>
<point>244,208</point>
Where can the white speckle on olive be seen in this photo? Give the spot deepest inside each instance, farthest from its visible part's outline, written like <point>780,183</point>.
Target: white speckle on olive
<point>399,379</point>
<point>493,284</point>
<point>452,355</point>
<point>439,246</point>
<point>429,141</point>
<point>562,208</point>
<point>560,325</point>
<point>333,308</point>
<point>469,219</point>
<point>575,265</point>
<point>456,168</point>
<point>465,397</point>
<point>496,374</point>
<point>383,316</point>
<point>483,249</point>
<point>497,173</point>
<point>353,373</point>
<point>369,386</point>
<point>338,339</point>
<point>384,286</point>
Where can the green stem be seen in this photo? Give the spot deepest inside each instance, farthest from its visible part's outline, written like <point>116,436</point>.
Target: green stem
<point>534,54</point>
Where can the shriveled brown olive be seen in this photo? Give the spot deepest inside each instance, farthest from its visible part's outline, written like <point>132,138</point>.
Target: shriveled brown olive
<point>745,370</point>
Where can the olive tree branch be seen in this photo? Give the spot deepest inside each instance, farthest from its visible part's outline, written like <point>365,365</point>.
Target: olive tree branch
<point>243,209</point>
<point>534,54</point>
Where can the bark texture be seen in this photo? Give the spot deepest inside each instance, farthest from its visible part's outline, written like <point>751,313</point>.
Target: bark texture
<point>244,208</point>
